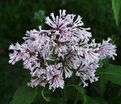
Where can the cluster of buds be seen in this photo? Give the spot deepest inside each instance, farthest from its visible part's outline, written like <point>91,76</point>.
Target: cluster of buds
<point>66,49</point>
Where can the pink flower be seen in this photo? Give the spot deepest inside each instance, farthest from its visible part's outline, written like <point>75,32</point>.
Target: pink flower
<point>87,73</point>
<point>54,77</point>
<point>107,50</point>
<point>53,55</point>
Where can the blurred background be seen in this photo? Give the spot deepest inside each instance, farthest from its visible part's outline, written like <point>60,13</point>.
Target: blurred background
<point>17,16</point>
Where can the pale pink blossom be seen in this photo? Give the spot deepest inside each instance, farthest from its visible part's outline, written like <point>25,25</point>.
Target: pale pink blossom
<point>107,50</point>
<point>66,49</point>
<point>54,77</point>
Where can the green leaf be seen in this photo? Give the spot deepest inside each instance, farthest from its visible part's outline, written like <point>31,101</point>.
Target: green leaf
<point>24,95</point>
<point>95,100</point>
<point>112,73</point>
<point>80,89</point>
<point>100,87</point>
<point>87,99</point>
<point>116,6</point>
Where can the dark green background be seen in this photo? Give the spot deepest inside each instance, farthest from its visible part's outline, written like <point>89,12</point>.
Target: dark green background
<point>17,16</point>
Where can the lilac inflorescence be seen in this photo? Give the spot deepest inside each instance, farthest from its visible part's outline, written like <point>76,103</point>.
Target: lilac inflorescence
<point>66,49</point>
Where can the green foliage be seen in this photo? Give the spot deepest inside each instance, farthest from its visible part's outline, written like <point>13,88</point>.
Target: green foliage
<point>116,6</point>
<point>95,100</point>
<point>81,92</point>
<point>112,73</point>
<point>24,95</point>
<point>87,99</point>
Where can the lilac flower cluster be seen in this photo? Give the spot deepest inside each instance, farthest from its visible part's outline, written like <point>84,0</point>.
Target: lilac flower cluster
<point>64,50</point>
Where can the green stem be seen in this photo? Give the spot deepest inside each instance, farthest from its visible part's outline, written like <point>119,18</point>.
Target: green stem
<point>75,102</point>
